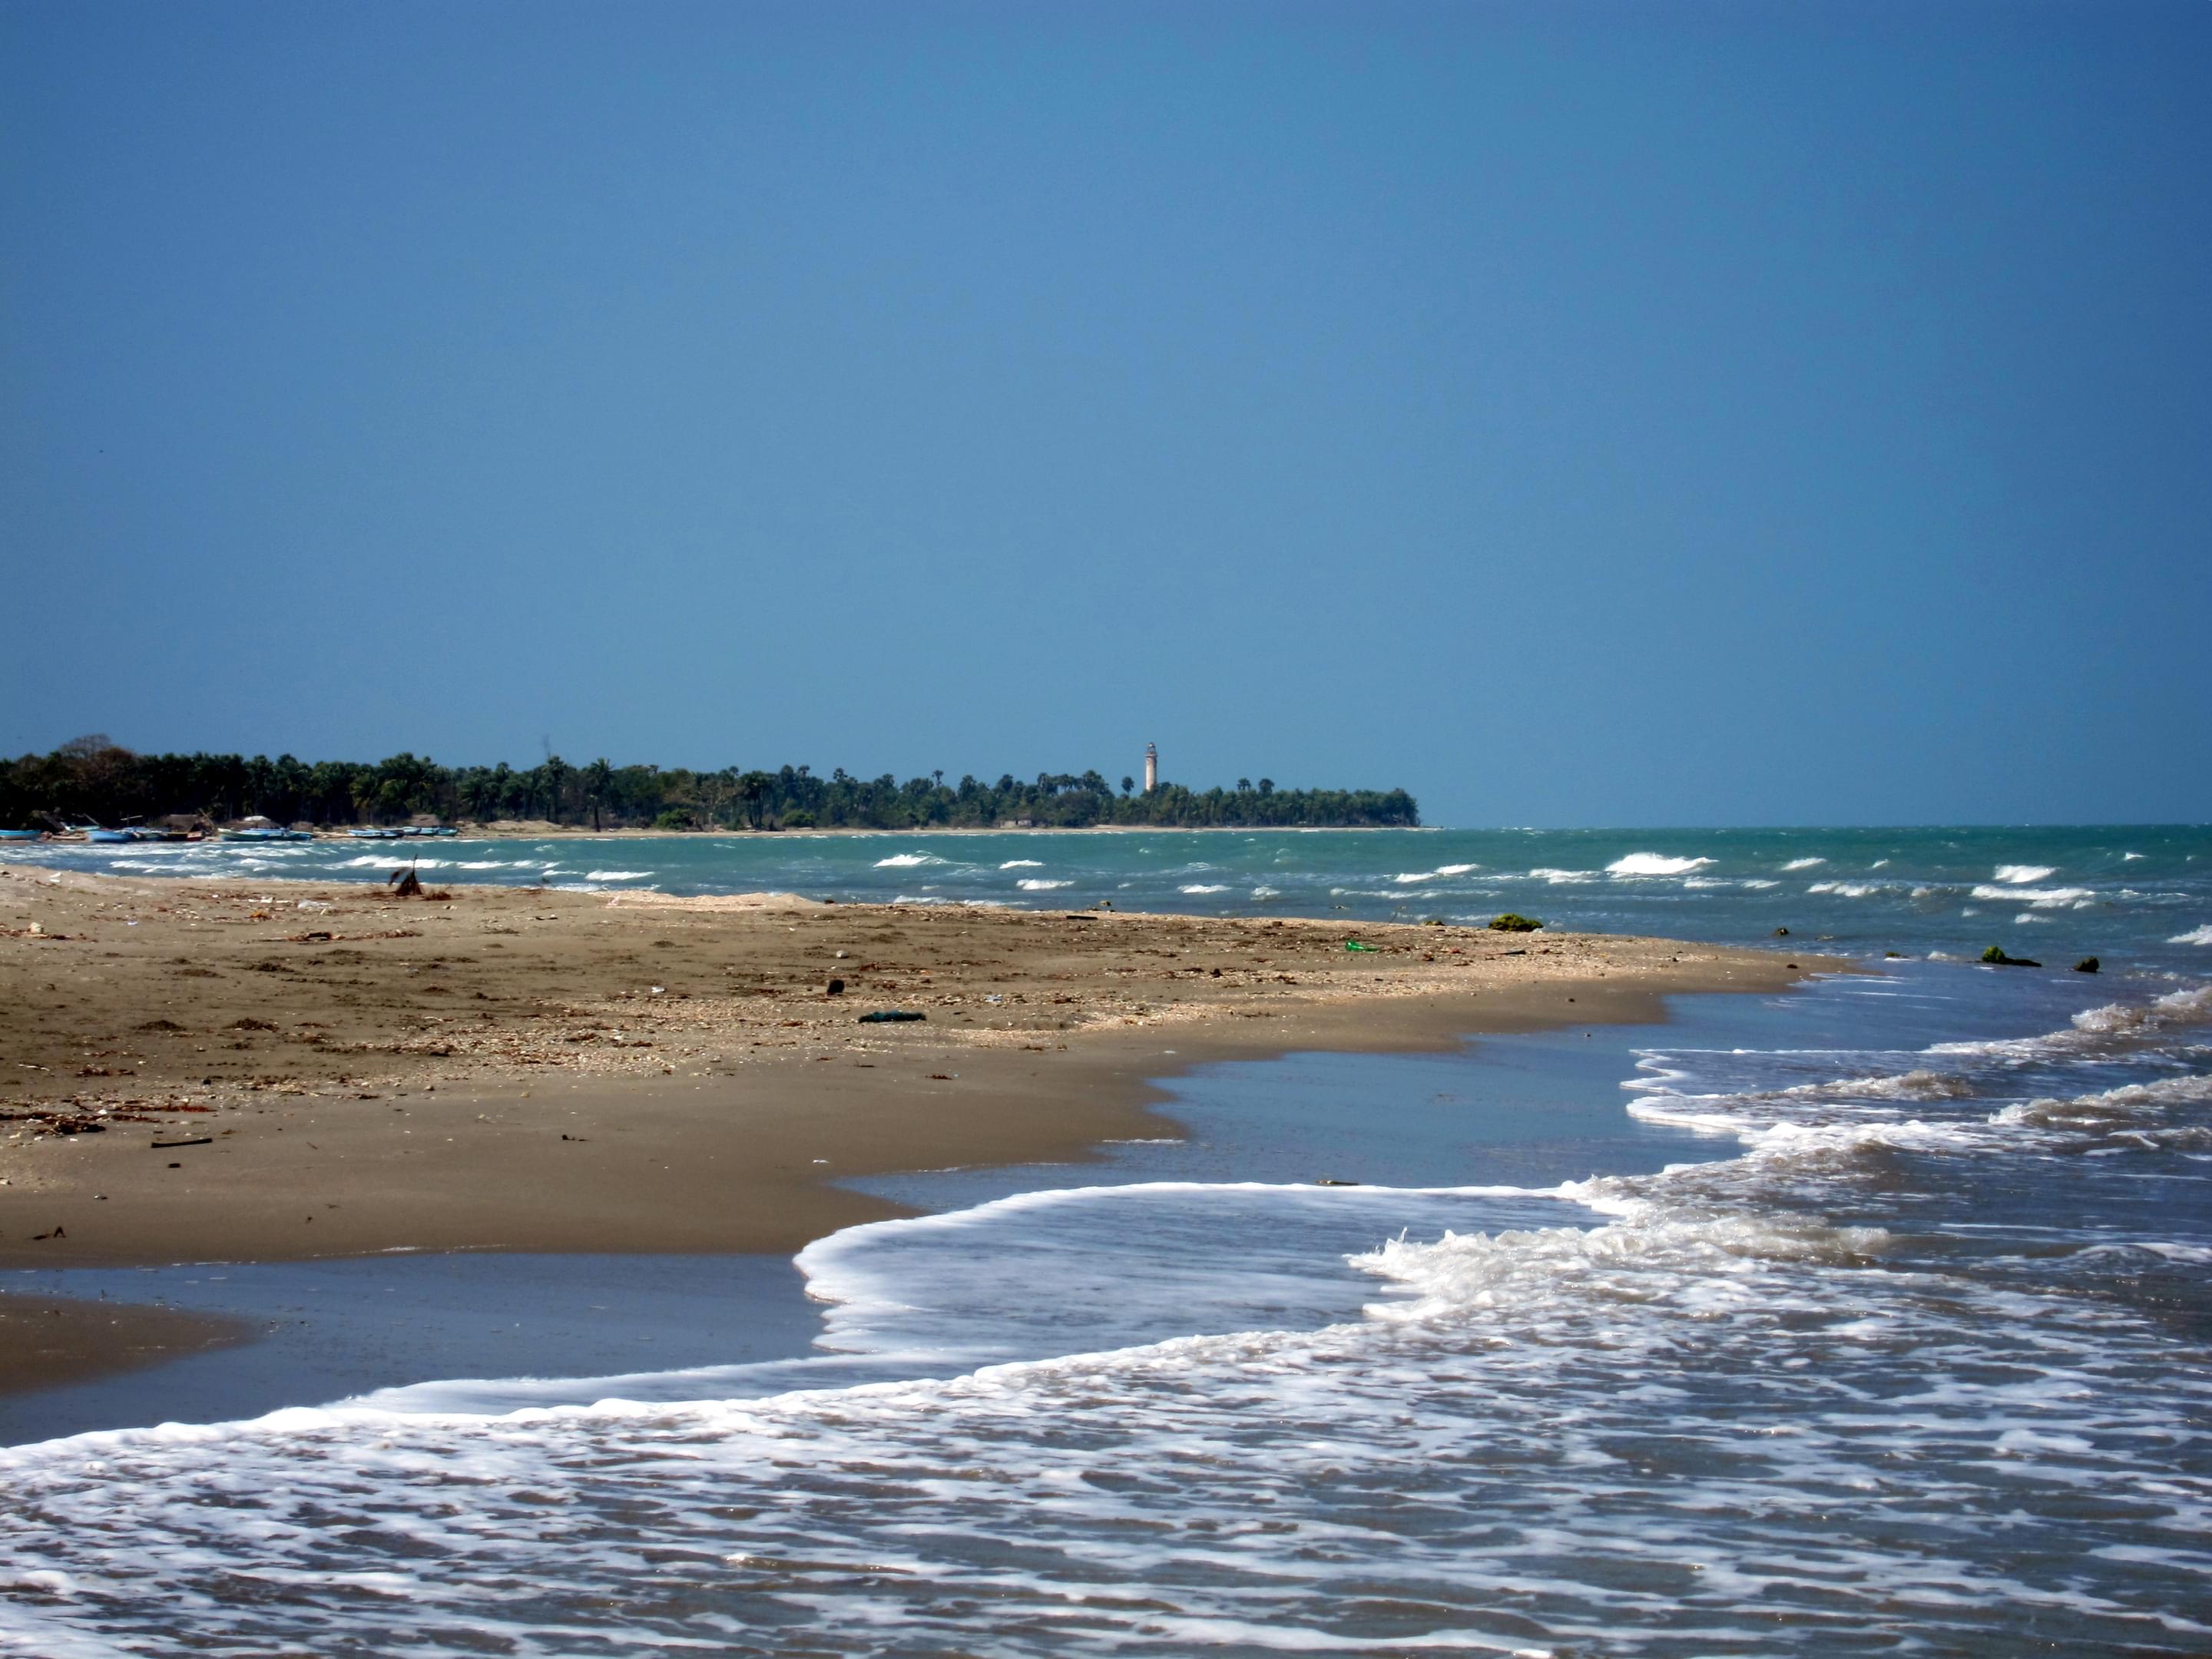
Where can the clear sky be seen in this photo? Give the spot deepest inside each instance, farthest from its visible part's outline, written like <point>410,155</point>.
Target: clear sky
<point>1640,415</point>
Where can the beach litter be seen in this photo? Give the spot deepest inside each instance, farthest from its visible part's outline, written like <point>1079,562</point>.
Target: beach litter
<point>1354,944</point>
<point>891,1016</point>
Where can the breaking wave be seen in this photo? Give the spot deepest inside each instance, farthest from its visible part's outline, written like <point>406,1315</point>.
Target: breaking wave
<point>1655,864</point>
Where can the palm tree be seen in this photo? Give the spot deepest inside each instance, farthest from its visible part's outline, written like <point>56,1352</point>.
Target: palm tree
<point>555,771</point>
<point>597,776</point>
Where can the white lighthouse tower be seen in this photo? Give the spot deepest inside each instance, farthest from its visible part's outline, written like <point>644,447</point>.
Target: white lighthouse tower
<point>1152,767</point>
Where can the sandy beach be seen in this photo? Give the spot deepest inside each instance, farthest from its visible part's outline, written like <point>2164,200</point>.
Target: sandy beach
<point>259,1071</point>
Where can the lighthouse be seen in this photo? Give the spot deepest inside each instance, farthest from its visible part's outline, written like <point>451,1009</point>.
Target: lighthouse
<point>1152,767</point>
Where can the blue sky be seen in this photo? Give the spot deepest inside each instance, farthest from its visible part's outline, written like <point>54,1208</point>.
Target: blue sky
<point>1658,413</point>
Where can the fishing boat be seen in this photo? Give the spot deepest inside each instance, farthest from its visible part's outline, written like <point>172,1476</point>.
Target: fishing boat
<point>268,833</point>
<point>373,835</point>
<point>123,836</point>
<point>20,835</point>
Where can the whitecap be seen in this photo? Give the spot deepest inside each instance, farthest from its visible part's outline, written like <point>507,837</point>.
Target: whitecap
<point>1846,889</point>
<point>1807,864</point>
<point>1564,878</point>
<point>1205,887</point>
<point>1653,864</point>
<point>907,861</point>
<point>1267,892</point>
<point>1018,864</point>
<point>1762,886</point>
<point>615,875</point>
<point>2040,898</point>
<point>2194,936</point>
<point>1033,884</point>
<point>2021,874</point>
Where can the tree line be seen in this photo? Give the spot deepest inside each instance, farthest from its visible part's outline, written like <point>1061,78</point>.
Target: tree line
<point>94,778</point>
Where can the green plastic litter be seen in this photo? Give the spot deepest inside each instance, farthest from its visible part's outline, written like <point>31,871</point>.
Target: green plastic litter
<point>1354,944</point>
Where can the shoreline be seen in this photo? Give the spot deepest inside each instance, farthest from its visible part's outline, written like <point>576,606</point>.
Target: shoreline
<point>642,1074</point>
<point>544,830</point>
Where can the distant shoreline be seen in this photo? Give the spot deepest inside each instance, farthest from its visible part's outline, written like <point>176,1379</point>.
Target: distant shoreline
<point>510,830</point>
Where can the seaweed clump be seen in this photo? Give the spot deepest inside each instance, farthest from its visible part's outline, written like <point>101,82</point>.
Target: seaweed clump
<point>1996,957</point>
<point>1513,922</point>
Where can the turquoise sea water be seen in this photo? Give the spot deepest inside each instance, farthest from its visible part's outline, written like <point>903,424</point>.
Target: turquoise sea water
<point>1871,1318</point>
<point>2058,891</point>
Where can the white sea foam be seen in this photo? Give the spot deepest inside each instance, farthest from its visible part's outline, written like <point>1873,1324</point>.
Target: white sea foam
<point>2040,898</point>
<point>2110,1027</point>
<point>2022,875</point>
<point>1442,869</point>
<point>1205,887</point>
<point>2131,1102</point>
<point>1803,864</point>
<point>617,875</point>
<point>1039,884</point>
<point>1760,885</point>
<point>907,861</point>
<point>1564,878</point>
<point>1023,863</point>
<point>1264,892</point>
<point>1847,889</point>
<point>1653,864</point>
<point>2194,936</point>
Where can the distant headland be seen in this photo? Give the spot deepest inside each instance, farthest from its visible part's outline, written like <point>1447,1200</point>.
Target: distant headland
<point>94,778</point>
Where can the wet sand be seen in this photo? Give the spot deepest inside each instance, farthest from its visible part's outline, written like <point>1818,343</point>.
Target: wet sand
<point>48,1341</point>
<point>255,1072</point>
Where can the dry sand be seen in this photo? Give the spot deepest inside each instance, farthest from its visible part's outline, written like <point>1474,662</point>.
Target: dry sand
<point>528,1070</point>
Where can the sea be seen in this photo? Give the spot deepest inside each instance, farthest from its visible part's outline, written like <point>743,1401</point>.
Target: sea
<point>1868,1318</point>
